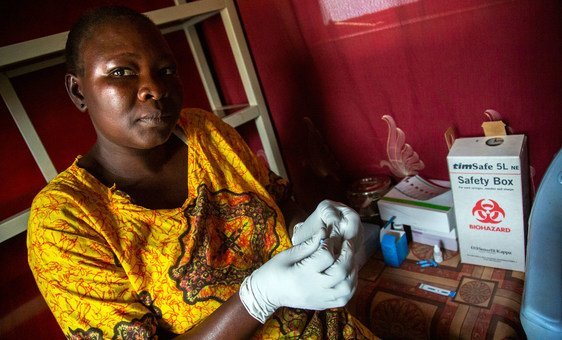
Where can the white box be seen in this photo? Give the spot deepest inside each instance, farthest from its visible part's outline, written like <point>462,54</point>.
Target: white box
<point>489,180</point>
<point>444,240</point>
<point>434,214</point>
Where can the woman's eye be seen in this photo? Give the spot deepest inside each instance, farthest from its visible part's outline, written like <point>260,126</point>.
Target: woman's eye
<point>121,72</point>
<point>169,71</point>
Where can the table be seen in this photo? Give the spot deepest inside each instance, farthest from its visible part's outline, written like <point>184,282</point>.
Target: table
<point>486,306</point>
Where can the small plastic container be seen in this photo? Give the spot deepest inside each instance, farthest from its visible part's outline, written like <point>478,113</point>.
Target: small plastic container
<point>394,246</point>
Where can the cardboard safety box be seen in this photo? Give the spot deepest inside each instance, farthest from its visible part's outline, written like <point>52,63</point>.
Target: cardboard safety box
<point>489,180</point>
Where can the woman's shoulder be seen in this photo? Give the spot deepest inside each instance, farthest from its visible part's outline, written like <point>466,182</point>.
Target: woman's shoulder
<point>72,203</point>
<point>72,186</point>
<point>196,120</point>
<point>192,115</point>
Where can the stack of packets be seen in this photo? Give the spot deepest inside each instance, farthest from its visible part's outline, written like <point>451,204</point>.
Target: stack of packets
<point>424,205</point>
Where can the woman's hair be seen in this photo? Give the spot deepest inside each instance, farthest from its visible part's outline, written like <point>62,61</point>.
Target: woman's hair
<point>86,26</point>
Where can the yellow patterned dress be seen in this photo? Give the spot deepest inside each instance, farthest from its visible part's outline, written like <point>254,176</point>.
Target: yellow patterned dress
<point>111,269</point>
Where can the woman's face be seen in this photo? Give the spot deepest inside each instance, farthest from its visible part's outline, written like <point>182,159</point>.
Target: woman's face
<point>129,85</point>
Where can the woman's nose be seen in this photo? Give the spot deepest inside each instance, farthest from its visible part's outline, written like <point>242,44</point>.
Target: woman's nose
<point>151,87</point>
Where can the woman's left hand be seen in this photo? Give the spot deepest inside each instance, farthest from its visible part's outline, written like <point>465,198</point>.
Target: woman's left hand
<point>344,222</point>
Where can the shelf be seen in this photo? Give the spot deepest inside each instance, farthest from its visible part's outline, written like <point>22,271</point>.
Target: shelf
<point>179,16</point>
<point>236,117</point>
<point>14,225</point>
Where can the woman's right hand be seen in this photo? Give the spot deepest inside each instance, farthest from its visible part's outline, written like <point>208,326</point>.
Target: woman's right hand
<point>305,276</point>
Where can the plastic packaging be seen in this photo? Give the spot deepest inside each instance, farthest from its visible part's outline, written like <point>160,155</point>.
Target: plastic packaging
<point>394,245</point>
<point>437,290</point>
<point>437,254</point>
<point>394,248</point>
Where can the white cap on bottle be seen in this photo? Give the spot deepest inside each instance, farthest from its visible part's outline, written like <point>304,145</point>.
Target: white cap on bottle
<point>437,254</point>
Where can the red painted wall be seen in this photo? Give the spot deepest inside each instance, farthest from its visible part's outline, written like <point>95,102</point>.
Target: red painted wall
<point>429,64</point>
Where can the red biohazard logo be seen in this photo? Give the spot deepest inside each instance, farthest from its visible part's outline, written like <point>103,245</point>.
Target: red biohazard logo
<point>488,211</point>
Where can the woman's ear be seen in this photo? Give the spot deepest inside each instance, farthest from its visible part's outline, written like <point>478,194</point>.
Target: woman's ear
<point>72,84</point>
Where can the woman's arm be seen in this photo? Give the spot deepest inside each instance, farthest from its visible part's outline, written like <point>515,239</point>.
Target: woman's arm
<point>73,269</point>
<point>229,321</point>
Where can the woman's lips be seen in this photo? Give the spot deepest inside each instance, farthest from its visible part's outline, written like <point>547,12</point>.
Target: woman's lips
<point>155,119</point>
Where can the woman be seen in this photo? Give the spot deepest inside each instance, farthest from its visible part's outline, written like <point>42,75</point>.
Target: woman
<point>153,235</point>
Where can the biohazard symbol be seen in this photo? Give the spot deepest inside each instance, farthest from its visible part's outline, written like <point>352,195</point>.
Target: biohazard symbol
<point>488,211</point>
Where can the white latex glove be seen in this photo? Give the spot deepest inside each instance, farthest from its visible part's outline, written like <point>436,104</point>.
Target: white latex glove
<point>343,222</point>
<point>305,276</point>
